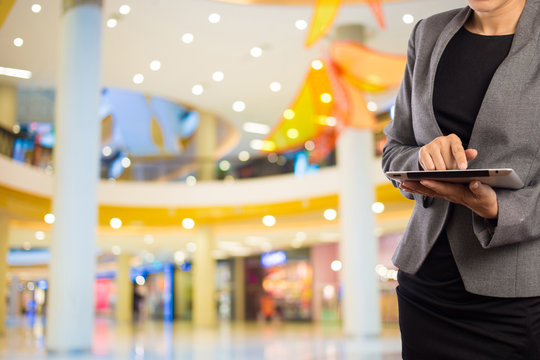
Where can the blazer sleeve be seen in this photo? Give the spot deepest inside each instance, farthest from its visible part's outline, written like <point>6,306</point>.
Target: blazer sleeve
<point>401,149</point>
<point>518,219</point>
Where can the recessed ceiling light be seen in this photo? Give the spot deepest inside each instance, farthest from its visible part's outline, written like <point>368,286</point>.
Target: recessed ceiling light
<point>155,65</point>
<point>39,235</point>
<point>49,218</point>
<point>336,265</point>
<point>187,38</point>
<point>256,128</point>
<point>288,114</point>
<point>124,9</point>
<point>115,223</point>
<point>275,86</point>
<point>256,52</point>
<point>197,89</point>
<point>272,158</point>
<point>106,151</point>
<point>330,214</point>
<point>372,106</point>
<point>126,162</point>
<point>408,19</point>
<point>18,73</point>
<point>269,220</point>
<point>317,64</point>
<point>188,223</point>
<point>377,207</point>
<point>265,145</point>
<point>292,133</point>
<point>214,18</point>
<point>218,76</point>
<point>112,23</point>
<point>18,42</point>
<point>224,165</point>
<point>331,121</point>
<point>326,98</point>
<point>36,8</point>
<point>301,24</point>
<point>116,250</point>
<point>239,106</point>
<point>243,155</point>
<point>309,145</point>
<point>191,180</point>
<point>179,256</point>
<point>138,78</point>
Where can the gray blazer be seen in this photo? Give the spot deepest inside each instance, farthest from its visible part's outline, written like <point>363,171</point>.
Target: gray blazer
<point>501,260</point>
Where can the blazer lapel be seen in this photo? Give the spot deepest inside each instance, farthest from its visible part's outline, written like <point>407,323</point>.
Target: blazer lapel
<point>513,72</point>
<point>444,38</point>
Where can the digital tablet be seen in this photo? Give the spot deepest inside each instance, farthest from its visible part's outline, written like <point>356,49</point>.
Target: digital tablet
<point>504,178</point>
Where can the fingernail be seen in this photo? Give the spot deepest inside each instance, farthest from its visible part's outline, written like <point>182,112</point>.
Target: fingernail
<point>463,166</point>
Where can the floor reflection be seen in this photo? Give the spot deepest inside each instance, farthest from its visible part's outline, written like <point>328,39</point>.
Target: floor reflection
<point>25,339</point>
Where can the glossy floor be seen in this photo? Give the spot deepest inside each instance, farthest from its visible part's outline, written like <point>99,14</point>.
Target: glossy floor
<point>177,340</point>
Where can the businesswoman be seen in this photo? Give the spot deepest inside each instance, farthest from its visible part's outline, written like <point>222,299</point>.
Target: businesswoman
<point>469,260</point>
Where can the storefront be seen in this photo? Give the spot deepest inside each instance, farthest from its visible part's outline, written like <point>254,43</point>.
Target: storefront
<point>279,286</point>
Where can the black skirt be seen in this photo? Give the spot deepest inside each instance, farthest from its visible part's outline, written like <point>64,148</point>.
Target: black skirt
<point>440,320</point>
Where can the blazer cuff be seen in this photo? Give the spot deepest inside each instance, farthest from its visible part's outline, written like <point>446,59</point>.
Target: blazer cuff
<point>484,229</point>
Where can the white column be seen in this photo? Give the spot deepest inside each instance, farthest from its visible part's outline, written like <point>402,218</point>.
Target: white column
<point>72,270</point>
<point>4,247</point>
<point>358,248</point>
<point>204,284</point>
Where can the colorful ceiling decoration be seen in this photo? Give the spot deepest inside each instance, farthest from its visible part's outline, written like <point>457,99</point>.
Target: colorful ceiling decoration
<point>323,17</point>
<point>333,97</point>
<point>376,9</point>
<point>145,126</point>
<point>308,115</point>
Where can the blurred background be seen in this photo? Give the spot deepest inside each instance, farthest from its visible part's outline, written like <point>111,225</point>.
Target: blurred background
<point>217,195</point>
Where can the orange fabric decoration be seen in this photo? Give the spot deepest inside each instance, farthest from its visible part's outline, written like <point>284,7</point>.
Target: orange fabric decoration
<point>351,71</point>
<point>369,70</point>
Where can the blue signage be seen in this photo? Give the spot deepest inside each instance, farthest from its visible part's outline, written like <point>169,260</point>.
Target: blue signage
<point>273,258</point>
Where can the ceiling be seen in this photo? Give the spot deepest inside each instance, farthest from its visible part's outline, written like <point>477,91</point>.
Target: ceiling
<point>153,30</point>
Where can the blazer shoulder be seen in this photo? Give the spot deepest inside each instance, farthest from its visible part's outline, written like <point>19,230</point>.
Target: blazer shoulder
<point>436,23</point>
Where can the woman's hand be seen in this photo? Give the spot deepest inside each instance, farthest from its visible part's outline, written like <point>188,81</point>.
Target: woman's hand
<point>445,153</point>
<point>478,197</point>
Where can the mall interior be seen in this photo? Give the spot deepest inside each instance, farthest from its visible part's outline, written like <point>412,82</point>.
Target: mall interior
<point>200,179</point>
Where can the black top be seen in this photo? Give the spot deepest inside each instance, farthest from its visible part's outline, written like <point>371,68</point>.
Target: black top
<point>463,76</point>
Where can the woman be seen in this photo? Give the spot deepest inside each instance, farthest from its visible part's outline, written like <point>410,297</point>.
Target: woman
<point>469,278</point>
